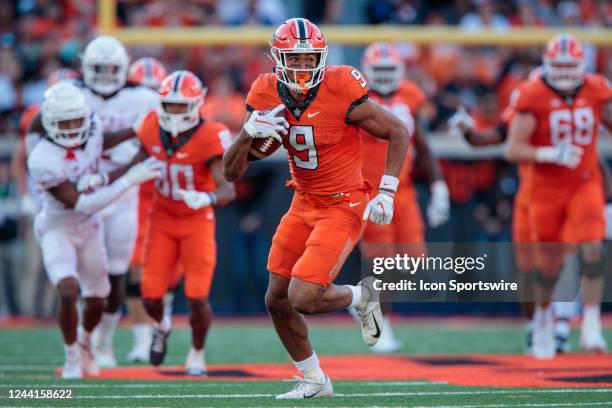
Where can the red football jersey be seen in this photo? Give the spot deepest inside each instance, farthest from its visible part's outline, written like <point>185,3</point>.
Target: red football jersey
<point>559,118</point>
<point>186,167</point>
<point>404,103</point>
<point>324,150</point>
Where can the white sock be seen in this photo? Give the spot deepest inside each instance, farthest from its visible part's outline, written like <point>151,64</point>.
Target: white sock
<point>591,313</point>
<point>71,349</point>
<point>165,325</point>
<point>106,329</point>
<point>356,290</point>
<point>85,336</point>
<point>168,302</point>
<point>562,327</point>
<point>310,368</point>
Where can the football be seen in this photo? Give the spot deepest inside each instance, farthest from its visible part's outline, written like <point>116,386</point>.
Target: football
<point>262,148</point>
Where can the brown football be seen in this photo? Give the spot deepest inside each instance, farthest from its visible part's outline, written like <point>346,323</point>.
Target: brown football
<point>262,148</point>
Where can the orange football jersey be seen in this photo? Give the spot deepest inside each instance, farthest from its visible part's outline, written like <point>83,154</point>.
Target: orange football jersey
<point>404,103</point>
<point>560,118</point>
<point>186,166</point>
<point>324,150</point>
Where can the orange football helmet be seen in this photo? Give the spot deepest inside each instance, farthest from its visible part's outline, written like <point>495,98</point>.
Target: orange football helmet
<point>180,88</point>
<point>563,63</point>
<point>147,72</point>
<point>296,36</point>
<point>383,67</point>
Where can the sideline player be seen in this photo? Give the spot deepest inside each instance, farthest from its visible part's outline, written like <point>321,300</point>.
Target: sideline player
<point>147,72</point>
<point>326,105</point>
<point>182,223</point>
<point>105,69</point>
<point>67,228</point>
<point>384,70</point>
<point>555,127</point>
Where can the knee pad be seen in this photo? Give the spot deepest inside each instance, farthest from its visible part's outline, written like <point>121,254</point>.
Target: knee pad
<point>132,289</point>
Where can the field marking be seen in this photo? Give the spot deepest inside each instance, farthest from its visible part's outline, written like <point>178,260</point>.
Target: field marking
<point>204,384</point>
<point>374,394</point>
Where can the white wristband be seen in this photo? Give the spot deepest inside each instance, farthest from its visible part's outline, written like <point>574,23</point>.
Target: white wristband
<point>388,184</point>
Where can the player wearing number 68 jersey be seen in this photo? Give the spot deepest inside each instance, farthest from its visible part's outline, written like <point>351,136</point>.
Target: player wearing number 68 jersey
<point>555,126</point>
<point>181,219</point>
<point>325,109</point>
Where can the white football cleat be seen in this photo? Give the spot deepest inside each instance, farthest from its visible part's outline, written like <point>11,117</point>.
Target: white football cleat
<point>88,361</point>
<point>591,337</point>
<point>105,357</point>
<point>142,335</point>
<point>139,354</point>
<point>195,364</point>
<point>543,341</point>
<point>72,365</point>
<point>369,312</point>
<point>308,388</point>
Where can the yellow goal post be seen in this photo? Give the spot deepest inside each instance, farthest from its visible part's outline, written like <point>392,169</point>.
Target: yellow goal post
<point>345,34</point>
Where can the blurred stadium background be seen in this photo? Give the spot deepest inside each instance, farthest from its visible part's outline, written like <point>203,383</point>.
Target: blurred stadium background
<point>461,52</point>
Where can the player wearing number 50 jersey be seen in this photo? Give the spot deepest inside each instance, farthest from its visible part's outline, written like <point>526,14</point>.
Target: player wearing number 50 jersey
<point>181,219</point>
<point>555,126</point>
<point>326,106</point>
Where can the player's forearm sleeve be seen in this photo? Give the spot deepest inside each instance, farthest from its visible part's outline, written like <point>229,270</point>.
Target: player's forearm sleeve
<point>93,202</point>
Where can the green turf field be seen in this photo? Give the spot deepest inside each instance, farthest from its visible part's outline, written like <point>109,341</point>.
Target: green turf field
<point>29,358</point>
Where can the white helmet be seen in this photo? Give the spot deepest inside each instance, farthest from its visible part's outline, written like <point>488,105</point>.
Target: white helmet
<point>105,65</point>
<point>383,67</point>
<point>64,102</point>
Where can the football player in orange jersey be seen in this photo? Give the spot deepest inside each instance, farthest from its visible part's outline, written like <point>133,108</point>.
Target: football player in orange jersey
<point>555,127</point>
<point>384,70</point>
<point>147,72</point>
<point>181,219</point>
<point>326,108</point>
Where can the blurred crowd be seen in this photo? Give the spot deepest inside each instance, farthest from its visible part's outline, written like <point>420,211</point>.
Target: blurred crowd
<point>38,36</point>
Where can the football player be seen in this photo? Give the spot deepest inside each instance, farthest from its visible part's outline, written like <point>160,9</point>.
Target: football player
<point>326,107</point>
<point>182,223</point>
<point>555,127</point>
<point>384,70</point>
<point>147,72</point>
<point>104,66</point>
<point>67,228</point>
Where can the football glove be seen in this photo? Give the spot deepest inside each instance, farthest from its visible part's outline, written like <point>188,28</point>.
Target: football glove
<point>461,121</point>
<point>262,125</point>
<point>564,154</point>
<point>196,199</point>
<point>439,205</point>
<point>90,182</point>
<point>380,209</point>
<point>146,170</point>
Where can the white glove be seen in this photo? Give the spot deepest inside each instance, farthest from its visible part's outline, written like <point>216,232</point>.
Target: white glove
<point>439,204</point>
<point>146,170</point>
<point>380,209</point>
<point>89,182</point>
<point>461,121</point>
<point>564,154</point>
<point>196,199</point>
<point>262,125</point>
<point>28,206</point>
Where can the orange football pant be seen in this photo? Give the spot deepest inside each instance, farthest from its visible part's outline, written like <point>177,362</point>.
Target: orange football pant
<point>188,241</point>
<point>316,235</point>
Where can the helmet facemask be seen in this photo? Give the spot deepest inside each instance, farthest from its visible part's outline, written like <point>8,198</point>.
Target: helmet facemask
<point>68,128</point>
<point>384,78</point>
<point>177,115</point>
<point>564,76</point>
<point>299,79</point>
<point>105,78</point>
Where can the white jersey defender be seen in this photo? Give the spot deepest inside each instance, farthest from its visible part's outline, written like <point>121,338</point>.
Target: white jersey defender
<point>122,110</point>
